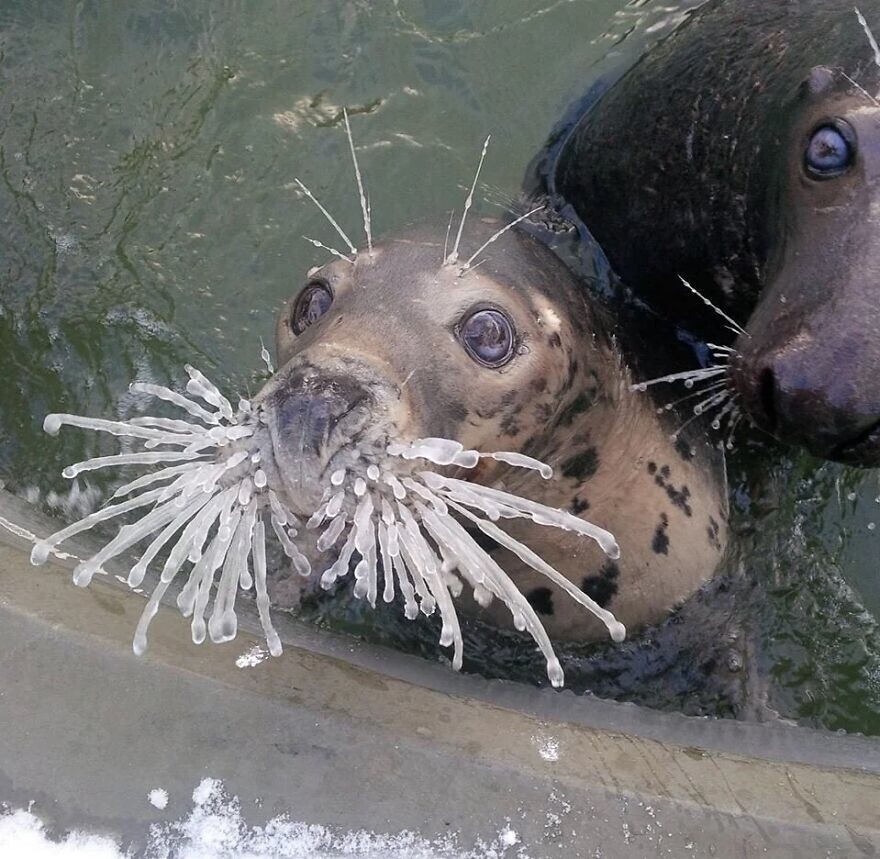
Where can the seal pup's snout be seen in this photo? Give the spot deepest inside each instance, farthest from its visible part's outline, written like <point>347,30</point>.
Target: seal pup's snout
<point>315,416</point>
<point>805,391</point>
<point>307,411</point>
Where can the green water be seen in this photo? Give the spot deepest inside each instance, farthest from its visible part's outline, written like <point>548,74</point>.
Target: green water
<point>148,217</point>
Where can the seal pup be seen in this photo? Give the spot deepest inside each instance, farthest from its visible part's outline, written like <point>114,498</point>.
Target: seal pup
<point>383,356</point>
<point>395,355</point>
<point>513,354</point>
<point>741,154</point>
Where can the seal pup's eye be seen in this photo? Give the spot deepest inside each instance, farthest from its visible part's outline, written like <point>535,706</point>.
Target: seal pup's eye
<point>830,152</point>
<point>313,302</point>
<point>487,336</point>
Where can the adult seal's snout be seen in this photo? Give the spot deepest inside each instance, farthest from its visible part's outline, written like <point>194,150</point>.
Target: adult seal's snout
<point>813,394</point>
<point>759,183</point>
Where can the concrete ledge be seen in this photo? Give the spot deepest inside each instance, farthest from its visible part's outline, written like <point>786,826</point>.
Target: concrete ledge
<point>349,735</point>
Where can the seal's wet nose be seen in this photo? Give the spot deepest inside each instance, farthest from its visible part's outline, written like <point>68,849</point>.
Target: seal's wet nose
<point>800,396</point>
<point>307,410</point>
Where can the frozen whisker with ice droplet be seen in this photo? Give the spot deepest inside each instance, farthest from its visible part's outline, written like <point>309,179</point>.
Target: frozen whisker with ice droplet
<point>394,524</point>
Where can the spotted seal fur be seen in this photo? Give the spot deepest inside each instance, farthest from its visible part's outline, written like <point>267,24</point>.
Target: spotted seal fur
<point>510,354</point>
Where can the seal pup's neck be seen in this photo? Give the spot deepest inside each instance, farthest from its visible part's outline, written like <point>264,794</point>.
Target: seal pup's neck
<point>620,464</point>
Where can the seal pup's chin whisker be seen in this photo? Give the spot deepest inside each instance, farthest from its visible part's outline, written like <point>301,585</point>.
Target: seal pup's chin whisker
<point>400,522</point>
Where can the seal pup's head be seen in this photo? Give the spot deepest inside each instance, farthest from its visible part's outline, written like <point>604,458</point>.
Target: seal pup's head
<point>509,354</point>
<point>400,346</point>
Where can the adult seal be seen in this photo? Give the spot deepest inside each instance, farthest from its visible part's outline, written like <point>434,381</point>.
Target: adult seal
<point>743,154</point>
<point>509,354</point>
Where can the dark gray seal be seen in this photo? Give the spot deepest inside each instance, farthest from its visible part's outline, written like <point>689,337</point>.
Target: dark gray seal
<point>743,154</point>
<point>511,354</point>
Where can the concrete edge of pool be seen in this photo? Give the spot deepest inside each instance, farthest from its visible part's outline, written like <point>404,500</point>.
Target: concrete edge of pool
<point>354,736</point>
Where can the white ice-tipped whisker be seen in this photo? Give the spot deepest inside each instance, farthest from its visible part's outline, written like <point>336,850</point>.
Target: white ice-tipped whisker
<point>323,247</point>
<point>142,458</point>
<point>615,629</point>
<point>482,566</point>
<point>53,423</point>
<point>539,513</point>
<point>200,386</point>
<point>712,401</point>
<point>333,223</point>
<point>446,240</point>
<point>687,376</point>
<point>365,208</point>
<point>259,555</point>
<point>875,48</point>
<point>701,392</point>
<point>860,88</point>
<point>468,266</point>
<point>736,326</point>
<point>453,256</point>
<point>266,358</point>
<point>176,399</point>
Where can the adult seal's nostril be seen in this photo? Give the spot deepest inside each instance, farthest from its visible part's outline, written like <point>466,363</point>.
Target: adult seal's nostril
<point>791,396</point>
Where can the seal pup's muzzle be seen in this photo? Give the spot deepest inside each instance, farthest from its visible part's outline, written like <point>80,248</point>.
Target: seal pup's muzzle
<point>320,419</point>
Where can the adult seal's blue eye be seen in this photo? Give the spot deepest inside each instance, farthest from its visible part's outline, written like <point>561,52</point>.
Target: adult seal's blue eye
<point>488,337</point>
<point>313,302</point>
<point>829,152</point>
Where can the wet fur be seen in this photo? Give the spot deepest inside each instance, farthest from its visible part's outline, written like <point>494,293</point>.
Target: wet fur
<point>565,399</point>
<point>691,165</point>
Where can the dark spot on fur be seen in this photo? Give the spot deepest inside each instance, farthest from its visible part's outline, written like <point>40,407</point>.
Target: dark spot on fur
<point>544,412</point>
<point>652,467</point>
<point>541,600</point>
<point>685,451</point>
<point>579,505</point>
<point>539,384</point>
<point>554,340</point>
<point>679,497</point>
<point>660,540</point>
<point>582,465</point>
<point>602,587</point>
<point>578,406</point>
<point>509,425</point>
<point>713,530</point>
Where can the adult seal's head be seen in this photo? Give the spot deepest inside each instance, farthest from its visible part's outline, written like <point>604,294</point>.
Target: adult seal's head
<point>743,154</point>
<point>507,354</point>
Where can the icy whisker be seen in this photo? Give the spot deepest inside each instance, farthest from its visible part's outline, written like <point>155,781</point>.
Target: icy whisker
<point>365,208</point>
<point>348,242</point>
<point>453,257</point>
<point>494,237</point>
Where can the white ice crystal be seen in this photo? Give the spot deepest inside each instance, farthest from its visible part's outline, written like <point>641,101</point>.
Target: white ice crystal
<point>209,505</point>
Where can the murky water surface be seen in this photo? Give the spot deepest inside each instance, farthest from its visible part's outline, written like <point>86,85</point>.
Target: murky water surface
<point>149,216</point>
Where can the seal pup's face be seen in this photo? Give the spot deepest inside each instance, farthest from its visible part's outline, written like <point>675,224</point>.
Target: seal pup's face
<point>399,346</point>
<point>808,366</point>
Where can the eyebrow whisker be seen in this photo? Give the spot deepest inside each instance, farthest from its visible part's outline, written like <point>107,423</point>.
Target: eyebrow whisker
<point>467,204</point>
